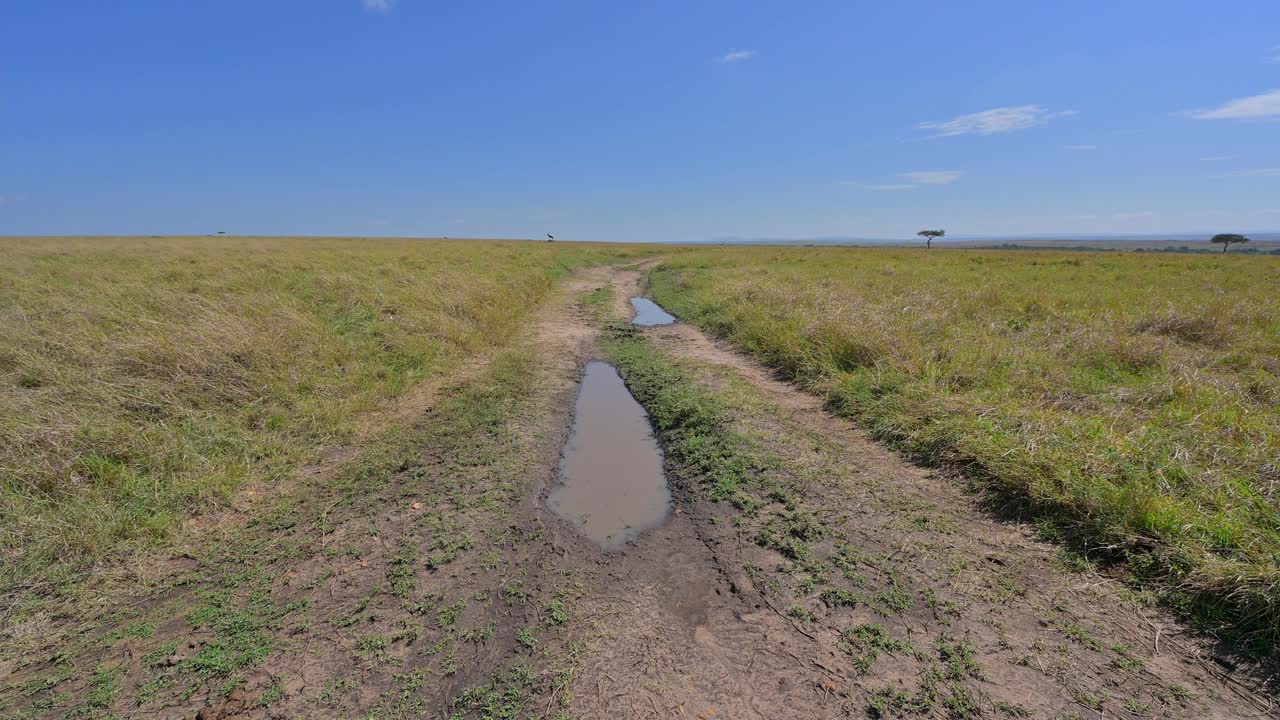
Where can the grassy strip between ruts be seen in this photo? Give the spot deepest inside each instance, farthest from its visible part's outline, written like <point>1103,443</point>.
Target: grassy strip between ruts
<point>709,456</point>
<point>1128,402</point>
<point>701,448</point>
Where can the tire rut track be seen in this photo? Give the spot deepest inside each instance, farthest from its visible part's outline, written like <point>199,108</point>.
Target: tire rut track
<point>1046,640</point>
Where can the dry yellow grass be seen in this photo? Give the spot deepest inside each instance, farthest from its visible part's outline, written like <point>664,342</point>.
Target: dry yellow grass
<point>1133,400</point>
<point>142,379</point>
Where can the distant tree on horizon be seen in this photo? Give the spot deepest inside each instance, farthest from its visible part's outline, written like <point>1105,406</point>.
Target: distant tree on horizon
<point>1228,239</point>
<point>930,235</point>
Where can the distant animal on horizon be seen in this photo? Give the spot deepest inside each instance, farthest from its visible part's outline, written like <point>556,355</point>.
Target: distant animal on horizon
<point>550,236</point>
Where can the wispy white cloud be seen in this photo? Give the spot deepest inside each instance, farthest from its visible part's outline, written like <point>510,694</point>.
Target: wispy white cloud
<point>378,5</point>
<point>932,177</point>
<point>1266,105</point>
<point>994,121</point>
<point>736,56</point>
<point>1260,172</point>
<point>1080,147</point>
<point>918,178</point>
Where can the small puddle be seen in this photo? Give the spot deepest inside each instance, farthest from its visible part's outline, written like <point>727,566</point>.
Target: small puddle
<point>648,313</point>
<point>612,487</point>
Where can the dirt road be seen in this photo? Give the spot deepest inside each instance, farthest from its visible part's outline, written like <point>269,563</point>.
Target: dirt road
<point>425,577</point>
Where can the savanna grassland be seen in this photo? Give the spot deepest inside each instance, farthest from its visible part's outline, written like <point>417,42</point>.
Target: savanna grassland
<point>143,380</point>
<point>1131,403</point>
<point>276,478</point>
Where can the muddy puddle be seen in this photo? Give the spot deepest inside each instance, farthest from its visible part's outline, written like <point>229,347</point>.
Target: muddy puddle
<point>649,313</point>
<point>612,487</point>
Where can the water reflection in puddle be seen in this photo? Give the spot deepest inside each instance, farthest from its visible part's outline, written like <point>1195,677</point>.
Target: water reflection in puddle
<point>612,486</point>
<point>649,313</point>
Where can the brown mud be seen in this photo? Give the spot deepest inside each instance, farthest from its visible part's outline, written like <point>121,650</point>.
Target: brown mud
<point>611,485</point>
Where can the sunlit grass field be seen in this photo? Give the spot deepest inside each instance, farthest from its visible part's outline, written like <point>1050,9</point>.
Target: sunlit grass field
<point>142,380</point>
<point>1131,403</point>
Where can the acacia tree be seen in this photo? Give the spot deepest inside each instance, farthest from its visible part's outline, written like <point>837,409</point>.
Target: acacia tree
<point>1228,239</point>
<point>929,236</point>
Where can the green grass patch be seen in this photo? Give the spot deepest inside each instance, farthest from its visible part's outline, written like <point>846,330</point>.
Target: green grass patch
<point>693,424</point>
<point>864,643</point>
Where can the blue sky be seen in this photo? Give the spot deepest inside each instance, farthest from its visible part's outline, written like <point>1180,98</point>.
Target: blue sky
<point>638,121</point>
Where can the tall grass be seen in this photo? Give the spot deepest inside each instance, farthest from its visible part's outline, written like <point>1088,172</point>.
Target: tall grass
<point>1131,400</point>
<point>144,379</point>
